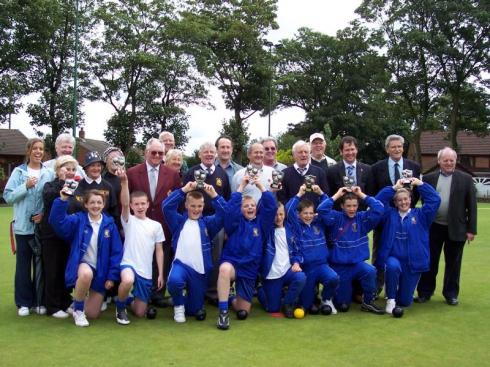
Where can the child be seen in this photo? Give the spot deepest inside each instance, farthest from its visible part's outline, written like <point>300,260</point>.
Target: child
<point>350,245</point>
<point>277,271</point>
<point>246,227</point>
<point>309,249</point>
<point>191,241</point>
<point>404,251</point>
<point>95,253</point>
<point>142,237</point>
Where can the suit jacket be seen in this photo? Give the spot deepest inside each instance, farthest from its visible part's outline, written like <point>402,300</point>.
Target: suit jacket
<point>461,216</point>
<point>168,180</point>
<point>381,176</point>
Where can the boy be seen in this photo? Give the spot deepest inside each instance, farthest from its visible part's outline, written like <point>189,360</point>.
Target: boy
<point>350,245</point>
<point>142,237</point>
<point>309,249</point>
<point>246,227</point>
<point>191,241</point>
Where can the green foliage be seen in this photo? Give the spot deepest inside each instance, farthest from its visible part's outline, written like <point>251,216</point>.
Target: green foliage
<point>285,156</point>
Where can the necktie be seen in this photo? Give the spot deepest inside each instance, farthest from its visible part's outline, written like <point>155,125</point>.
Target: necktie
<point>153,182</point>
<point>209,171</point>
<point>397,173</point>
<point>301,170</point>
<point>350,171</point>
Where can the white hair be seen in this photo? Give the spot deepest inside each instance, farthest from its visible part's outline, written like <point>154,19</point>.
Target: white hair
<point>445,150</point>
<point>393,137</point>
<point>298,144</point>
<point>65,137</point>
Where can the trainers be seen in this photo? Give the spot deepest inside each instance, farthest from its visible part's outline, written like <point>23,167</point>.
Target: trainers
<point>372,307</point>
<point>60,314</point>
<point>103,306</point>
<point>329,302</point>
<point>390,305</point>
<point>179,314</point>
<point>288,311</point>
<point>23,311</point>
<point>122,317</point>
<point>223,320</point>
<point>40,310</point>
<point>80,318</point>
<point>70,309</point>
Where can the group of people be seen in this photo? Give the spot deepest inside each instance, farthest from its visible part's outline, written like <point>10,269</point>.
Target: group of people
<point>225,233</point>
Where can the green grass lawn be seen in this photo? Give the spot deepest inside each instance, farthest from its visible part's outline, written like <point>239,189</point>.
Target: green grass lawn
<point>431,334</point>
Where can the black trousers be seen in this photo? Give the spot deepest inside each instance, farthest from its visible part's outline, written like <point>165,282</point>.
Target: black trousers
<point>453,255</point>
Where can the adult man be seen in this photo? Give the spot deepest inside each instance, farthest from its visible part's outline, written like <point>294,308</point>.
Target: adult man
<point>318,147</point>
<point>168,139</point>
<point>349,166</point>
<point>224,148</point>
<point>157,181</point>
<point>270,149</point>
<point>294,176</point>
<point>386,173</point>
<point>455,224</point>
<point>255,154</point>
<point>64,145</point>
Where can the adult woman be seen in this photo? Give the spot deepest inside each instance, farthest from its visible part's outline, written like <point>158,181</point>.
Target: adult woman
<point>404,251</point>
<point>55,250</point>
<point>174,159</point>
<point>24,191</point>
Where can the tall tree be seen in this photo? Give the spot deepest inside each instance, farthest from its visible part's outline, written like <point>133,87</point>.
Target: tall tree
<point>228,42</point>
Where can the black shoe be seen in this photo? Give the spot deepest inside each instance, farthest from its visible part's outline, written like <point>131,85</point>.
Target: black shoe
<point>151,313</point>
<point>200,315</point>
<point>372,307</point>
<point>325,310</point>
<point>452,301</point>
<point>422,299</point>
<point>314,309</point>
<point>343,307</point>
<point>288,311</point>
<point>241,314</point>
<point>122,317</point>
<point>223,320</point>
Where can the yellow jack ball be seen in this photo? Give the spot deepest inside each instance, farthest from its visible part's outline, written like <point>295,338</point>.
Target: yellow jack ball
<point>299,313</point>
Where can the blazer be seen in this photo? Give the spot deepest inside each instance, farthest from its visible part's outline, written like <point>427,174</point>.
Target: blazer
<point>381,176</point>
<point>462,203</point>
<point>168,180</point>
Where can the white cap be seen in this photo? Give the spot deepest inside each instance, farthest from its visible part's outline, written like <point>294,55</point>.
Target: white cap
<point>316,136</point>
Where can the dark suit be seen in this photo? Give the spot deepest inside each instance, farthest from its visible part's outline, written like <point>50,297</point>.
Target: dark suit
<point>461,219</point>
<point>168,180</point>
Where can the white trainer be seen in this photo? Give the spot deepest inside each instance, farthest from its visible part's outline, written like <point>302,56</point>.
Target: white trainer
<point>70,309</point>
<point>60,314</point>
<point>23,311</point>
<point>390,305</point>
<point>103,307</point>
<point>40,310</point>
<point>179,314</point>
<point>329,302</point>
<point>80,318</point>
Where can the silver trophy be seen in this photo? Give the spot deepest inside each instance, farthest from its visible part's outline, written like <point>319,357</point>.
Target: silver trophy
<point>252,171</point>
<point>349,181</point>
<point>70,186</point>
<point>200,176</point>
<point>407,175</point>
<point>119,161</point>
<point>277,177</point>
<point>309,182</point>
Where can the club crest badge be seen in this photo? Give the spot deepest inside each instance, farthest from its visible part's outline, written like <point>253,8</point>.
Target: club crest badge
<point>256,232</point>
<point>414,220</point>
<point>316,230</point>
<point>219,183</point>
<point>354,227</point>
<point>107,233</point>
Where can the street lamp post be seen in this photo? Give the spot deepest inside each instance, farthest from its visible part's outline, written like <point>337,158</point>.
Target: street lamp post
<point>75,72</point>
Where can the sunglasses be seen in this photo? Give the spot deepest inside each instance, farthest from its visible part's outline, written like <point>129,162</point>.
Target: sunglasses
<point>153,153</point>
<point>270,148</point>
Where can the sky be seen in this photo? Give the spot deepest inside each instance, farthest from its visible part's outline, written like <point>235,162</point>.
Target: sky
<point>326,16</point>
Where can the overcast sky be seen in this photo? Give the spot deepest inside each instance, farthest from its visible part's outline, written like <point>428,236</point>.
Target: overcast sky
<point>325,16</point>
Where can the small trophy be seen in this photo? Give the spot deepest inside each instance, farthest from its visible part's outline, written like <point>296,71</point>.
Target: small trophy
<point>119,161</point>
<point>200,176</point>
<point>277,177</point>
<point>70,186</point>
<point>309,182</point>
<point>349,181</point>
<point>252,171</point>
<point>407,175</point>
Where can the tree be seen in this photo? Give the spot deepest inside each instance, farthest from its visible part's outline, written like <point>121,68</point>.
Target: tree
<point>227,40</point>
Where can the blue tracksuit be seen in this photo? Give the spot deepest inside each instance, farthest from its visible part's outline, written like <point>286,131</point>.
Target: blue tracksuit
<point>182,276</point>
<point>245,237</point>
<point>309,250</point>
<point>404,250</point>
<point>271,292</point>
<point>76,229</point>
<point>350,247</point>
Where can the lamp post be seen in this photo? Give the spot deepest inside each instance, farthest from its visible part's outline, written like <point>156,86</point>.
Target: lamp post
<point>75,73</point>
<point>270,44</point>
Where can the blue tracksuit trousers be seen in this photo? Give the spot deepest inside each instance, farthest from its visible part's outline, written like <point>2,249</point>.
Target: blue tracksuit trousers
<point>363,272</point>
<point>322,274</point>
<point>400,281</point>
<point>271,292</point>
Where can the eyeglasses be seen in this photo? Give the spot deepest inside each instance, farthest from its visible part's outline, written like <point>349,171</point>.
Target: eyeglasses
<point>270,148</point>
<point>154,153</point>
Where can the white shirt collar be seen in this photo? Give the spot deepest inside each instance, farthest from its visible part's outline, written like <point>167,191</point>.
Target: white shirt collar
<point>98,221</point>
<point>353,164</point>
<point>296,167</point>
<point>89,180</point>
<point>149,167</point>
<point>206,168</point>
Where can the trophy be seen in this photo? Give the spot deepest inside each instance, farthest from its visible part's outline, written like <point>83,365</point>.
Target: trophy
<point>252,171</point>
<point>349,181</point>
<point>309,182</point>
<point>200,176</point>
<point>70,186</point>
<point>407,175</point>
<point>277,177</point>
<point>119,161</point>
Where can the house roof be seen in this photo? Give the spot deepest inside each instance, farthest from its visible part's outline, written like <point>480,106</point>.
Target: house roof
<point>93,145</point>
<point>468,144</point>
<point>12,142</point>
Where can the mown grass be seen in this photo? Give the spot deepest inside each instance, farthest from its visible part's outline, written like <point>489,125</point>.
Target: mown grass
<point>431,334</point>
